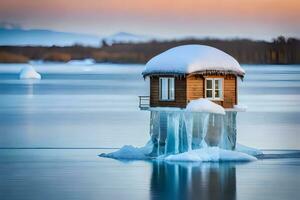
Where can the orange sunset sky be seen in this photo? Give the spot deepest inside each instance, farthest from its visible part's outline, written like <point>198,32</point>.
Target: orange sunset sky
<point>257,19</point>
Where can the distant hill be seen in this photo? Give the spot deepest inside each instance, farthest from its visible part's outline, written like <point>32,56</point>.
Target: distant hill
<point>15,36</point>
<point>36,37</point>
<point>123,37</point>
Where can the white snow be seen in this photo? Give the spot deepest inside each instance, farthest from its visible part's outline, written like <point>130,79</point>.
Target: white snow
<point>209,154</point>
<point>204,105</point>
<point>248,150</point>
<point>192,58</point>
<point>88,61</point>
<point>28,72</point>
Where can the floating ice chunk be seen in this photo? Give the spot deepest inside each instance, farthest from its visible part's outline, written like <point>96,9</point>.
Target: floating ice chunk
<point>126,152</point>
<point>130,152</point>
<point>29,72</point>
<point>248,150</point>
<point>88,61</point>
<point>204,105</point>
<point>209,154</point>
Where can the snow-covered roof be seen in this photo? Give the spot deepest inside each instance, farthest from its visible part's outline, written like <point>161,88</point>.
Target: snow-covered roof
<point>193,59</point>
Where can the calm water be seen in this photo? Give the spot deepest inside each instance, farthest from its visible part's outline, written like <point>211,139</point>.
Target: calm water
<point>96,106</point>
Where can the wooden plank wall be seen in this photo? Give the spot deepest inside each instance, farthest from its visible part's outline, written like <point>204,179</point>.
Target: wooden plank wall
<point>196,89</point>
<point>230,96</point>
<point>180,93</point>
<point>193,87</point>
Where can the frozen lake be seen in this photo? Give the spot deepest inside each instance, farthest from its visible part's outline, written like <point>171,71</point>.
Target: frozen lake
<point>96,106</point>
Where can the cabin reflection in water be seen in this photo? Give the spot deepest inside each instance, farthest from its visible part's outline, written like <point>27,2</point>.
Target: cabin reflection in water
<point>193,181</point>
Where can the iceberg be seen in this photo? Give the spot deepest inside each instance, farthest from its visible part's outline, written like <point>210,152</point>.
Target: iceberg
<point>179,131</point>
<point>29,72</point>
<point>202,132</point>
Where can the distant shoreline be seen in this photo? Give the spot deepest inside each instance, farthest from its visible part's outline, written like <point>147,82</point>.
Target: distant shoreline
<point>125,63</point>
<point>279,51</point>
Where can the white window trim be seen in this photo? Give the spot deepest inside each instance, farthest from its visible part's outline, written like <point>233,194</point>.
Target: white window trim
<point>160,89</point>
<point>213,89</point>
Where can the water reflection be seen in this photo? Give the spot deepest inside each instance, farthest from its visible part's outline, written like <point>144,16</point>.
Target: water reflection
<point>193,181</point>
<point>29,86</point>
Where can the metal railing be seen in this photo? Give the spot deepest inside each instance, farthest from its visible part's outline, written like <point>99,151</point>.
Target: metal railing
<point>144,102</point>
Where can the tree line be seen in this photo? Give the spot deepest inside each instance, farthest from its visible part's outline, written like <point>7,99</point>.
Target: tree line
<point>278,51</point>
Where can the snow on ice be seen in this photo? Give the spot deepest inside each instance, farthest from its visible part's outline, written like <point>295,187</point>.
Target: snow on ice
<point>205,105</point>
<point>130,152</point>
<point>207,154</point>
<point>29,72</point>
<point>88,61</point>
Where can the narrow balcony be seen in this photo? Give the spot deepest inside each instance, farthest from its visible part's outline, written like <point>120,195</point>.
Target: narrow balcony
<point>144,102</point>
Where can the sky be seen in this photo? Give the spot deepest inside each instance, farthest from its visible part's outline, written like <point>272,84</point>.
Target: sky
<point>256,19</point>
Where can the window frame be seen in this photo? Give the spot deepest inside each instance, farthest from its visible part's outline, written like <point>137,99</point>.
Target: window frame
<point>221,89</point>
<point>169,89</point>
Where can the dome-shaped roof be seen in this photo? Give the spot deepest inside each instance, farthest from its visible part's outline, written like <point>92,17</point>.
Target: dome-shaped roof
<point>193,59</point>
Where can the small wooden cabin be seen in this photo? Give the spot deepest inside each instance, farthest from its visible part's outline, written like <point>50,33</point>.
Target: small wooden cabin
<point>190,72</point>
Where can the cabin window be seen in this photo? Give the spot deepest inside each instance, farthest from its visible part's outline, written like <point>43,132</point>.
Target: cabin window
<point>167,88</point>
<point>214,88</point>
